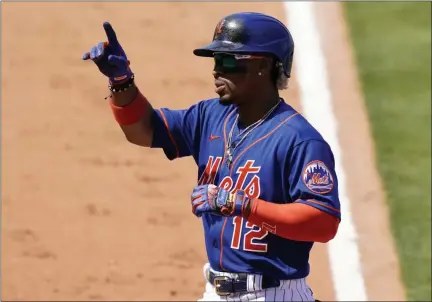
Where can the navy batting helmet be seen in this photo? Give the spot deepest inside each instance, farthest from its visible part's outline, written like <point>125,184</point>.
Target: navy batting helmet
<point>252,33</point>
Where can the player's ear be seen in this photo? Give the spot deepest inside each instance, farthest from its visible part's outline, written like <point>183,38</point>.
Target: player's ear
<point>266,66</point>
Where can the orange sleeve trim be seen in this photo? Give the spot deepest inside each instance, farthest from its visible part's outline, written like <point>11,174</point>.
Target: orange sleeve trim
<point>322,204</point>
<point>131,113</point>
<point>169,133</point>
<point>294,221</point>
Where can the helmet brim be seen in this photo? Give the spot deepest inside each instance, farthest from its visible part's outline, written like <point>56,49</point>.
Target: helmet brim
<point>224,46</point>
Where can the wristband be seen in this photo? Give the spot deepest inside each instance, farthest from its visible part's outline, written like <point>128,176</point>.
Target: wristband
<point>132,112</point>
<point>122,86</point>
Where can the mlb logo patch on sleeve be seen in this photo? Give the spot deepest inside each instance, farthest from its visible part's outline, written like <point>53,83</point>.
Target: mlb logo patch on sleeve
<point>317,177</point>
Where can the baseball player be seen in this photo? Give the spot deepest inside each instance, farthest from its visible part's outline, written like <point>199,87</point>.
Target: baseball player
<point>267,187</point>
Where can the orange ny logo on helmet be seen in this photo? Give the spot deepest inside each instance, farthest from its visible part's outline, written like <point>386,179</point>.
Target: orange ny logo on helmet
<point>218,28</point>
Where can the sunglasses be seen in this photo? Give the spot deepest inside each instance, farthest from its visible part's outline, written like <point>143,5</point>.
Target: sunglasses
<point>231,63</point>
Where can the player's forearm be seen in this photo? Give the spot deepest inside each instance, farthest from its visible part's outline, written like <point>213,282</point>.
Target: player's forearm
<point>295,221</point>
<point>133,113</point>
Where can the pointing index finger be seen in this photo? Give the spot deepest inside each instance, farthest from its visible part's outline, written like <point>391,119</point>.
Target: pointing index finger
<point>110,33</point>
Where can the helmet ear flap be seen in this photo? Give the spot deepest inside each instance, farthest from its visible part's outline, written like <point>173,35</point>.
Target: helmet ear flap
<point>288,64</point>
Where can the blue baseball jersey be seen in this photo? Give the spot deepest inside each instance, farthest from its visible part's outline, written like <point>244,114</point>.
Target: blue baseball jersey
<point>284,160</point>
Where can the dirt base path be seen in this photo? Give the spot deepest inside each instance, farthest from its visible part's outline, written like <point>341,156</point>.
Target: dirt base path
<point>87,216</point>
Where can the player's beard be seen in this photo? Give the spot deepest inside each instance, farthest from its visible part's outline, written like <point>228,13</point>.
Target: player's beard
<point>226,90</point>
<point>226,96</point>
<point>225,102</point>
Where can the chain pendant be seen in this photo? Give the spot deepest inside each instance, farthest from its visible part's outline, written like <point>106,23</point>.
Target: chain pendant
<point>229,161</point>
<point>229,154</point>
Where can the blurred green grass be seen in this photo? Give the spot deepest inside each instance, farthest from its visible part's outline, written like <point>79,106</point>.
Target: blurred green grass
<point>392,41</point>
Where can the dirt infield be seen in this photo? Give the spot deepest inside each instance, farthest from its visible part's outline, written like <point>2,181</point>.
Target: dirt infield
<point>88,216</point>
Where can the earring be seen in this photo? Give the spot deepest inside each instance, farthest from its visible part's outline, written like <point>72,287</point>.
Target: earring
<point>259,73</point>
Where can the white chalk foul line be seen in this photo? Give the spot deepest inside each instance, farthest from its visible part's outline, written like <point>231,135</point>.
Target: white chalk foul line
<point>316,101</point>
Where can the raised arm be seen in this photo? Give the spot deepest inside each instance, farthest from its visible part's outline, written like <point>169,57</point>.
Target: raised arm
<point>177,132</point>
<point>130,108</point>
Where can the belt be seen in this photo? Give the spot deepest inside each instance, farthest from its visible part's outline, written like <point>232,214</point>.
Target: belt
<point>225,285</point>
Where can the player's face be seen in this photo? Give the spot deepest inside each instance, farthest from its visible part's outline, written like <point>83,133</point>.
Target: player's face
<point>235,77</point>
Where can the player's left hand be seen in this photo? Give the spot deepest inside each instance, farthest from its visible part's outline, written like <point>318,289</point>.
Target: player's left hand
<point>214,200</point>
<point>110,58</point>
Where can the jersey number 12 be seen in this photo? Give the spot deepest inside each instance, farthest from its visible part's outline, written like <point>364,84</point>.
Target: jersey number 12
<point>250,239</point>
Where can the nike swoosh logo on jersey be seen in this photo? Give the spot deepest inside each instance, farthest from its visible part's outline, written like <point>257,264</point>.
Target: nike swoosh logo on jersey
<point>212,137</point>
